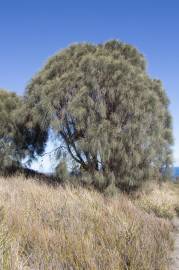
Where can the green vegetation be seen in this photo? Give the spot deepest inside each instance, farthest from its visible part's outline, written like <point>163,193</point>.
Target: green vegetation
<point>9,154</point>
<point>113,129</point>
<point>110,118</point>
<point>17,136</point>
<point>62,171</point>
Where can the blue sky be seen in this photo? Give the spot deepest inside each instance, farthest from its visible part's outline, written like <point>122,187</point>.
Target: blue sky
<point>32,31</point>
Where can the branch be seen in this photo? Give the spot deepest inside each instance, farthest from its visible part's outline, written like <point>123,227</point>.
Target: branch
<point>68,147</point>
<point>54,150</point>
<point>72,143</point>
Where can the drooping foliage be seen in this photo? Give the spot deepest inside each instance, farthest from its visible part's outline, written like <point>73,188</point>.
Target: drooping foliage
<point>111,117</point>
<point>9,102</point>
<point>33,134</point>
<point>18,138</point>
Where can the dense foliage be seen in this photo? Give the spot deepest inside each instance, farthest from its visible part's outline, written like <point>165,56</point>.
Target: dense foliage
<point>19,140</point>
<point>109,115</point>
<point>110,118</point>
<point>9,102</point>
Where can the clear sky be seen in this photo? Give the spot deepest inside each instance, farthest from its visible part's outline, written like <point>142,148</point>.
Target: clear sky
<point>31,31</point>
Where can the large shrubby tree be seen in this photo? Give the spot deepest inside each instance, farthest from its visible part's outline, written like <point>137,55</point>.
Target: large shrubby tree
<point>18,138</point>
<point>9,154</point>
<point>108,114</point>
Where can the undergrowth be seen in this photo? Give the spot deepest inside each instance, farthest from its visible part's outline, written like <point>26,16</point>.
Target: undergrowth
<point>45,228</point>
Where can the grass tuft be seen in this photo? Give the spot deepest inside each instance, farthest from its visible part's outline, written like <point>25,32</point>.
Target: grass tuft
<point>73,228</point>
<point>162,200</point>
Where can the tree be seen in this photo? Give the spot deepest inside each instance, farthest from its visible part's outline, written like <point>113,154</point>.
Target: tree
<point>107,112</point>
<point>9,102</point>
<point>18,138</point>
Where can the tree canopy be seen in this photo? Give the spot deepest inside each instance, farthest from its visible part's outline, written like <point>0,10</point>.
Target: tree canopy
<point>108,114</point>
<point>9,102</point>
<point>18,138</point>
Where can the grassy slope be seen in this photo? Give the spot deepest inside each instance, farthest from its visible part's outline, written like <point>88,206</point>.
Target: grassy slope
<point>44,228</point>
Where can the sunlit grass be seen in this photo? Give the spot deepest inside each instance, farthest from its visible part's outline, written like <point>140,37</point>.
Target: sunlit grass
<point>45,228</point>
<point>162,200</point>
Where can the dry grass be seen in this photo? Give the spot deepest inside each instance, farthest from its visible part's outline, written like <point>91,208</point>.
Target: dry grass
<point>162,200</point>
<point>43,228</point>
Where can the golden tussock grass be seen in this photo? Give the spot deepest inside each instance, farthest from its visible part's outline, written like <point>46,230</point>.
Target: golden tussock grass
<point>45,228</point>
<point>160,199</point>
